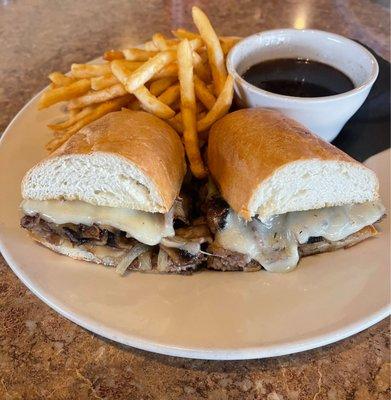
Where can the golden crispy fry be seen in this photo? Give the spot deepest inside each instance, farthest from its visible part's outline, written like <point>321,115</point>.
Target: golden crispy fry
<point>56,95</point>
<point>176,123</point>
<point>201,115</point>
<point>185,34</point>
<point>149,46</point>
<point>200,69</point>
<point>196,44</point>
<point>203,93</point>
<point>144,73</point>
<point>221,106</point>
<point>99,111</point>
<point>159,86</point>
<point>188,109</point>
<point>215,53</point>
<point>151,104</point>
<point>170,95</point>
<point>122,69</point>
<point>73,117</point>
<point>102,82</point>
<point>59,79</point>
<point>113,55</point>
<point>72,113</point>
<point>169,71</point>
<point>98,96</point>
<point>160,41</point>
<point>90,70</point>
<point>211,87</point>
<point>227,42</point>
<point>138,54</point>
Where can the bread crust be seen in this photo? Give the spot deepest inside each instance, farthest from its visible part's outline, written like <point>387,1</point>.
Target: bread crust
<point>248,146</point>
<point>141,138</point>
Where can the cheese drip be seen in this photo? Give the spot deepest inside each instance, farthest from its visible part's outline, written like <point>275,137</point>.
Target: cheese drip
<point>148,228</point>
<point>274,244</point>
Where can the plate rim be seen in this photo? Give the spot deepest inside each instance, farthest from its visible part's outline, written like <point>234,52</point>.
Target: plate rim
<point>245,353</point>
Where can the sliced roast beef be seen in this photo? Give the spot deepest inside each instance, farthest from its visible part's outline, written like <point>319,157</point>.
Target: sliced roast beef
<point>221,259</point>
<point>227,260</point>
<point>216,213</point>
<point>181,251</point>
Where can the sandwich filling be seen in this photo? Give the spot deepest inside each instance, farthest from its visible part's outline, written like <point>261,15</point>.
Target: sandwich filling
<point>119,236</point>
<point>275,243</point>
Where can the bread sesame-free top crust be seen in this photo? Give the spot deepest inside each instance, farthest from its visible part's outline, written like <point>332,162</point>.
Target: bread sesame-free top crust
<point>143,139</point>
<point>248,146</point>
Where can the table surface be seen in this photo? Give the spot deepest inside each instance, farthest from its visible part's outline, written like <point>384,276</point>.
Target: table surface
<point>43,355</point>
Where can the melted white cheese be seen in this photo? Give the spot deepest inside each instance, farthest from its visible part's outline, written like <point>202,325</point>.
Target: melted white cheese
<point>274,244</point>
<point>148,228</point>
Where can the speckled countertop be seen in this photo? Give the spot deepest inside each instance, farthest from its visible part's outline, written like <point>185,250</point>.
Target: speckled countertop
<point>44,356</point>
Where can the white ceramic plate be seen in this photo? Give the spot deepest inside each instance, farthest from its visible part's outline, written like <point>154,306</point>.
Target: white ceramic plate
<point>210,315</point>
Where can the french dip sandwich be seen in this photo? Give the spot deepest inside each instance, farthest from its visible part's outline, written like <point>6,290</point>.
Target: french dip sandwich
<point>283,193</point>
<point>110,195</point>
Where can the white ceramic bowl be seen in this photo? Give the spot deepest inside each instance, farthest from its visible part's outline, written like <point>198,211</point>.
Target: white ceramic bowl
<point>324,116</point>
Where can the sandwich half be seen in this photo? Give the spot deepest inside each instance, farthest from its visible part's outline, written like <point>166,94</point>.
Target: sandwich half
<point>110,195</point>
<point>282,193</point>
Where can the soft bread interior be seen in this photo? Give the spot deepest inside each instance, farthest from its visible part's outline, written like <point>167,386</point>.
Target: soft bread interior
<point>313,184</point>
<point>99,178</point>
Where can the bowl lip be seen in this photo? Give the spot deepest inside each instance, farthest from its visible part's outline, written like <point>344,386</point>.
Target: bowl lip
<point>306,100</point>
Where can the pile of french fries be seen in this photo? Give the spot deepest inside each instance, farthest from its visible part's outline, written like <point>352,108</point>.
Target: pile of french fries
<point>182,80</point>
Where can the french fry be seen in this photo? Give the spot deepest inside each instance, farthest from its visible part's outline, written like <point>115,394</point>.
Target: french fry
<point>221,106</point>
<point>100,110</point>
<point>215,53</point>
<point>197,43</point>
<point>149,46</point>
<point>96,113</point>
<point>169,71</point>
<point>72,113</point>
<point>122,69</point>
<point>151,104</point>
<point>59,79</point>
<point>199,68</point>
<point>98,96</point>
<point>170,95</point>
<point>203,93</point>
<point>138,54</point>
<point>185,34</point>
<point>102,82</point>
<point>227,42</point>
<point>74,117</point>
<point>159,41</point>
<point>159,86</point>
<point>63,93</point>
<point>90,70</point>
<point>144,73</point>
<point>111,55</point>
<point>176,123</point>
<point>188,109</point>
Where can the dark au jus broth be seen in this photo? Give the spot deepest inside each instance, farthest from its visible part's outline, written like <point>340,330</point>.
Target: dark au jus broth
<point>298,77</point>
